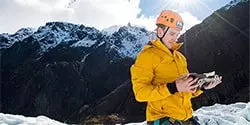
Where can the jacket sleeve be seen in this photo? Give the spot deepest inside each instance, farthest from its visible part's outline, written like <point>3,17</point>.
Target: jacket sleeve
<point>142,74</point>
<point>197,93</point>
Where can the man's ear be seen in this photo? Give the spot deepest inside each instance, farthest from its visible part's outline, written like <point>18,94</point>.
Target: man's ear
<point>159,32</point>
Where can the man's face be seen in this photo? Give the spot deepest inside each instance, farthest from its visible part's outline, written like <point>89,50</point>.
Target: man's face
<point>170,38</point>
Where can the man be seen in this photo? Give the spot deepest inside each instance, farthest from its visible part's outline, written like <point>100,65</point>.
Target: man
<point>160,76</point>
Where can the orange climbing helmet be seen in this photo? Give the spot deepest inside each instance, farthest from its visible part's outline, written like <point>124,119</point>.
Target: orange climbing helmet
<point>171,19</point>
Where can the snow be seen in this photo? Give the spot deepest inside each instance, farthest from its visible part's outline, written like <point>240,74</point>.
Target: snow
<point>54,33</point>
<point>23,33</point>
<point>233,114</point>
<point>101,43</point>
<point>109,31</point>
<point>218,114</point>
<point>55,36</point>
<point>233,3</point>
<point>84,58</point>
<point>131,48</point>
<point>18,36</point>
<point>139,123</point>
<point>84,43</point>
<point>132,39</point>
<point>126,40</point>
<point>8,119</point>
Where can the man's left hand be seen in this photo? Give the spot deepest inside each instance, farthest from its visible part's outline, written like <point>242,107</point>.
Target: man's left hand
<point>214,83</point>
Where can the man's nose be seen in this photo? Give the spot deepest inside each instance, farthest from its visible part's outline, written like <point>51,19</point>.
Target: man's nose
<point>173,38</point>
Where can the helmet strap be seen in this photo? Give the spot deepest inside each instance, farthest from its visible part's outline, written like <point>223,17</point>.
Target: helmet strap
<point>163,34</point>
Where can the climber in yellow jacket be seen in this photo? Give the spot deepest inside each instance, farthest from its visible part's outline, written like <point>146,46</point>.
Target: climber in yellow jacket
<point>160,75</point>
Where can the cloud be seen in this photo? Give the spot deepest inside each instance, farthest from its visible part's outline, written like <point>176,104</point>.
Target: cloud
<point>189,20</point>
<point>100,14</point>
<point>16,14</point>
<point>104,13</point>
<point>147,22</point>
<point>96,13</point>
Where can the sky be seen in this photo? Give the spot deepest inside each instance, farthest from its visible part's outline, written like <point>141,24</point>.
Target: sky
<point>17,14</point>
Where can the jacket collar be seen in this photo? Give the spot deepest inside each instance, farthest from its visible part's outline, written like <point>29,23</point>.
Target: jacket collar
<point>161,46</point>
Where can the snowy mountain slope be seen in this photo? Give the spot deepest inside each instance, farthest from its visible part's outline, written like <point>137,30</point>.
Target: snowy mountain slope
<point>126,40</point>
<point>130,39</point>
<point>7,40</point>
<point>55,33</point>
<point>110,30</point>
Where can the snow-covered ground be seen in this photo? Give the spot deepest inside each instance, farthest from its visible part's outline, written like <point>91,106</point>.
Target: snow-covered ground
<point>8,119</point>
<point>233,114</point>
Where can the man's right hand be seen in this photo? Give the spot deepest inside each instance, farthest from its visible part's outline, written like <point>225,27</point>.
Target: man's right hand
<point>186,84</point>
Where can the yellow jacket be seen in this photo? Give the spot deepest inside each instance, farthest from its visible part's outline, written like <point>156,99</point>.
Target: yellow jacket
<point>155,66</point>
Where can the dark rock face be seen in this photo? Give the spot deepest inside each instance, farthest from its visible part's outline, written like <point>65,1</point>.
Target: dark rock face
<point>120,101</point>
<point>36,88</point>
<point>221,43</point>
